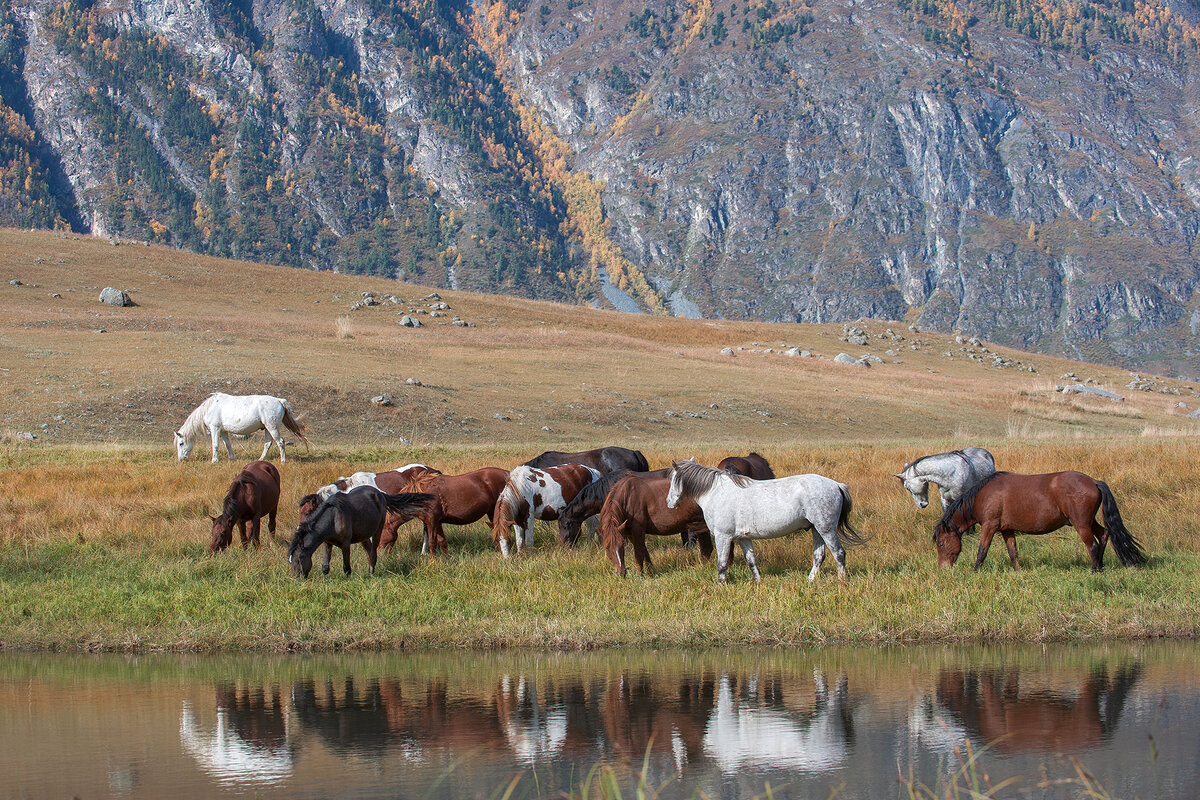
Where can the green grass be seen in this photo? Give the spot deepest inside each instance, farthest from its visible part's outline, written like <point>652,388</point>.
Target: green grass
<point>106,548</point>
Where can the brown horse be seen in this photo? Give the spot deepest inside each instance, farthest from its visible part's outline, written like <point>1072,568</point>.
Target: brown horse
<point>752,465</point>
<point>253,494</point>
<point>461,500</point>
<point>1009,503</point>
<point>636,508</point>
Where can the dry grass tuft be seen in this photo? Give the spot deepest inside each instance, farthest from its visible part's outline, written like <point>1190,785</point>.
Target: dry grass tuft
<point>342,327</point>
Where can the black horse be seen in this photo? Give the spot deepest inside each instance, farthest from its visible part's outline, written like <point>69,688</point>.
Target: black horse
<point>349,517</point>
<point>602,459</point>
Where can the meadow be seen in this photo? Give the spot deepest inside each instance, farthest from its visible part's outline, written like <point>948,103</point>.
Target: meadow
<point>103,534</point>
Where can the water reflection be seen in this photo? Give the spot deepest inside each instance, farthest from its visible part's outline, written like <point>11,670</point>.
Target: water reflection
<point>1019,713</point>
<point>720,723</point>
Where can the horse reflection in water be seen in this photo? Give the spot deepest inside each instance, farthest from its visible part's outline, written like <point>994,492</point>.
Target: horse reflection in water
<point>1020,716</point>
<point>250,742</point>
<point>728,719</point>
<point>755,724</point>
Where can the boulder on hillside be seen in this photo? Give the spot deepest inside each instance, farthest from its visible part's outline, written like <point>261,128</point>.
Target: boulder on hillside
<point>846,358</point>
<point>411,322</point>
<point>1094,391</point>
<point>114,297</point>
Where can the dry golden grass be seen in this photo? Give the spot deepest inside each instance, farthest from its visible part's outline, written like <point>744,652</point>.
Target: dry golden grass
<point>105,543</point>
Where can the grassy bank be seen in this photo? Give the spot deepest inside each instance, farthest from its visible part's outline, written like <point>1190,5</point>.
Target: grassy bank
<point>105,548</point>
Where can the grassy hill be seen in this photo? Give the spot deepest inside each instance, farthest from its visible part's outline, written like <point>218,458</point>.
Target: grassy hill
<point>590,376</point>
<point>103,536</point>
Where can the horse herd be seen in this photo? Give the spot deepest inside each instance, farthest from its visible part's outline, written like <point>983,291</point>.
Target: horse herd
<point>737,502</point>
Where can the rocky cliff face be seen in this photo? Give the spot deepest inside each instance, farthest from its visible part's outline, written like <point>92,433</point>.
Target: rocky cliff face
<point>1021,170</point>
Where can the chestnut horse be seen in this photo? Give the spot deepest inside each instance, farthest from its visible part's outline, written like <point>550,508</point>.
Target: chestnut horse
<point>254,494</point>
<point>636,507</point>
<point>602,459</point>
<point>531,494</point>
<point>461,500</point>
<point>1008,504</point>
<point>587,503</point>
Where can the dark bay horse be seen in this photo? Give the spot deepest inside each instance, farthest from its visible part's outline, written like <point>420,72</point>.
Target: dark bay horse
<point>461,500</point>
<point>587,503</point>
<point>1008,503</point>
<point>349,517</point>
<point>636,507</point>
<point>752,465</point>
<point>254,494</point>
<point>602,459</point>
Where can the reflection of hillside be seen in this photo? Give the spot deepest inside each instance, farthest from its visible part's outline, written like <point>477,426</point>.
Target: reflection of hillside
<point>754,728</point>
<point>1018,716</point>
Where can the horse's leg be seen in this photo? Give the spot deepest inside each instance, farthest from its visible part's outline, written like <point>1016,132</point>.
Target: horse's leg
<point>722,542</point>
<point>255,527</point>
<point>328,557</point>
<point>529,531</point>
<point>228,444</point>
<point>372,548</point>
<point>818,555</point>
<point>1100,540</point>
<point>266,444</point>
<point>271,522</point>
<point>1010,542</point>
<point>986,531</point>
<point>439,539</point>
<point>748,551</point>
<point>346,559</point>
<point>242,532</point>
<point>215,432</point>
<point>642,554</point>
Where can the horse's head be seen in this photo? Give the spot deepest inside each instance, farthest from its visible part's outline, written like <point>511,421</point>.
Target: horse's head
<point>222,532</point>
<point>916,486</point>
<point>948,539</point>
<point>676,490</point>
<point>299,556</point>
<point>183,446</point>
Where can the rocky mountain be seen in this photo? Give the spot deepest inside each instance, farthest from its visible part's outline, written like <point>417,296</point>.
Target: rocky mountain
<point>1022,170</point>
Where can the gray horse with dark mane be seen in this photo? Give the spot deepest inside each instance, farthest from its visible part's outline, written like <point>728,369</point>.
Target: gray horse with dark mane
<point>953,472</point>
<point>345,518</point>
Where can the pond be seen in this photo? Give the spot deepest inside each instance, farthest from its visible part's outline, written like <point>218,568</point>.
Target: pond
<point>844,722</point>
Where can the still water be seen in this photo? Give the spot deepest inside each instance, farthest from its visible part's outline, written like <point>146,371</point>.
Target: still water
<point>807,723</point>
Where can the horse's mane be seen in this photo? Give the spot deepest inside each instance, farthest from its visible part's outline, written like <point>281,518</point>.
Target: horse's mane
<point>229,508</point>
<point>597,490</point>
<point>964,505</point>
<point>305,527</point>
<point>696,479</point>
<point>193,427</point>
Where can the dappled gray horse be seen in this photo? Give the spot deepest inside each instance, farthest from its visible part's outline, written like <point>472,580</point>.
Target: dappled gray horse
<point>953,472</point>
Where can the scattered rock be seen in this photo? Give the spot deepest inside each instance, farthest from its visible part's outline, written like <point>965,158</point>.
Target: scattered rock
<point>404,441</point>
<point>462,323</point>
<point>806,354</point>
<point>870,358</point>
<point>846,358</point>
<point>713,406</point>
<point>727,351</point>
<point>381,400</point>
<point>409,322</point>
<point>25,436</point>
<point>671,414</point>
<point>1095,391</point>
<point>546,428</point>
<point>1068,376</point>
<point>15,282</point>
<point>441,307</point>
<point>56,295</point>
<point>501,417</point>
<point>854,335</point>
<point>413,382</point>
<point>437,313</point>
<point>114,297</point>
<point>792,351</point>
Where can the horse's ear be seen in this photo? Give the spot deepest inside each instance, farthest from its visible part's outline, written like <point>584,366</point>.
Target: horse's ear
<point>900,475</point>
<point>210,516</point>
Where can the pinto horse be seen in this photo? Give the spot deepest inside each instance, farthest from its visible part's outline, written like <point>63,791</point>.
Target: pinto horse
<point>531,494</point>
<point>254,494</point>
<point>602,459</point>
<point>349,517</point>
<point>1008,503</point>
<point>461,500</point>
<point>636,507</point>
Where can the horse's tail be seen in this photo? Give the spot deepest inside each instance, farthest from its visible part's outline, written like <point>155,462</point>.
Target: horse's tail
<point>292,424</point>
<point>848,532</point>
<point>612,523</point>
<point>642,464</point>
<point>506,504</point>
<point>1129,550</point>
<point>411,504</point>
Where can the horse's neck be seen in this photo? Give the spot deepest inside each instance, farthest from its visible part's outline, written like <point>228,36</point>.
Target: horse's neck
<point>949,468</point>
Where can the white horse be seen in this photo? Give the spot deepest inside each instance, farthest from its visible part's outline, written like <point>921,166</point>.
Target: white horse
<point>953,472</point>
<point>737,508</point>
<point>222,414</point>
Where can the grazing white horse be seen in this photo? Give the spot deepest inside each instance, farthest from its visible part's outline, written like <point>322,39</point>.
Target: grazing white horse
<point>953,472</point>
<point>222,414</point>
<point>741,509</point>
